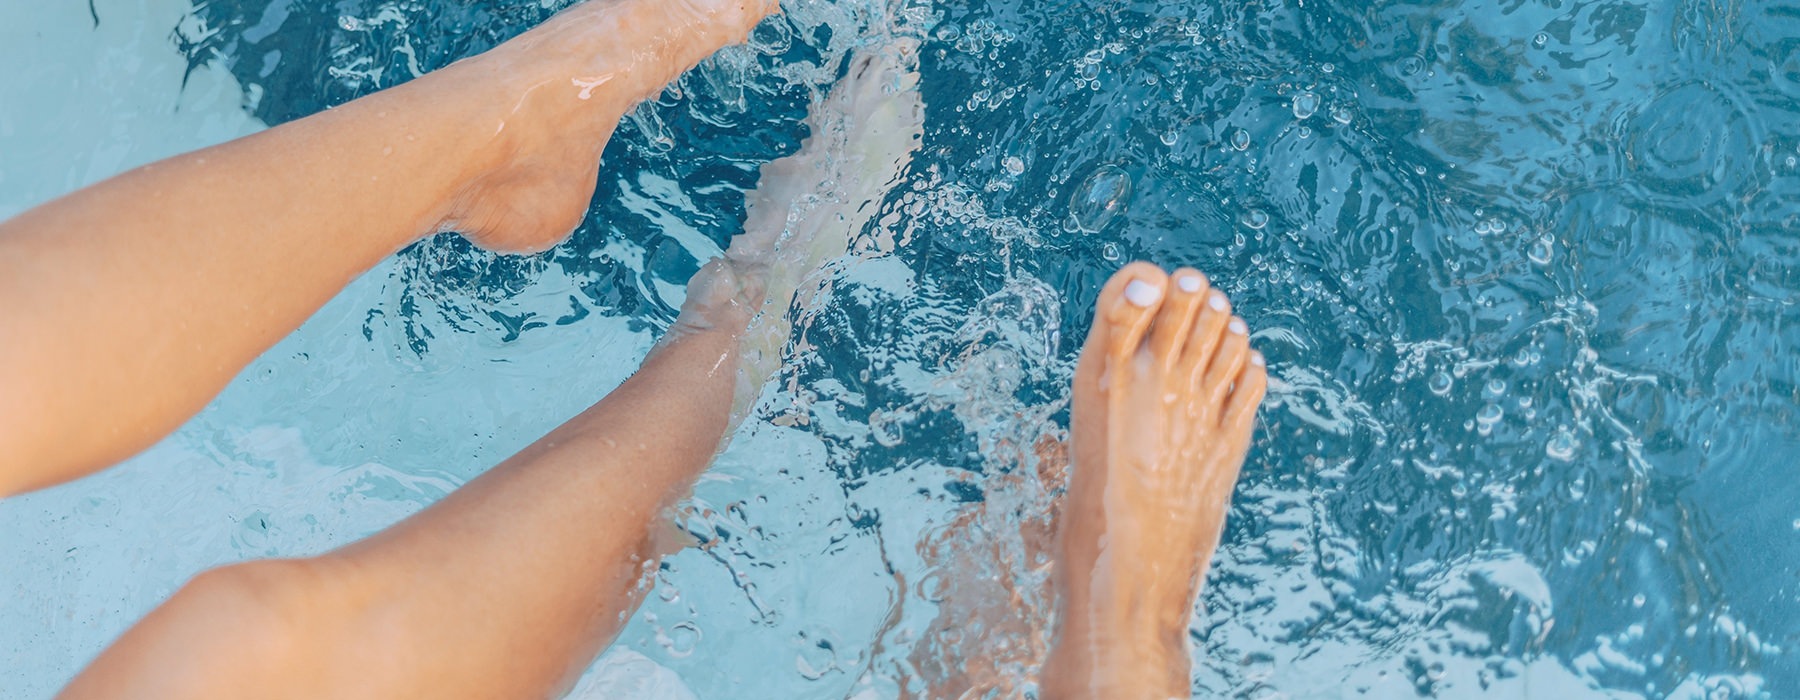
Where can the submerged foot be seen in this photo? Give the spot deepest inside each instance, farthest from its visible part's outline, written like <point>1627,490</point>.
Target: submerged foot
<point>549,100</point>
<point>808,206</point>
<point>1165,402</point>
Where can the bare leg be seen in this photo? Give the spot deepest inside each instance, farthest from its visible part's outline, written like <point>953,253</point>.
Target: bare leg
<point>131,303</point>
<point>1164,405</point>
<point>505,589</point>
<point>511,585</point>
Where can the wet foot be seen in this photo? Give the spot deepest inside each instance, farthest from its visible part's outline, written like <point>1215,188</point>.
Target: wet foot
<point>1165,401</point>
<point>549,100</point>
<point>808,206</point>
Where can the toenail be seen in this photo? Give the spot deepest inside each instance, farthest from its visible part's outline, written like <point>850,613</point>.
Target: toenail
<point>1238,326</point>
<point>1190,283</point>
<point>1256,358</point>
<point>1217,301</point>
<point>1141,293</point>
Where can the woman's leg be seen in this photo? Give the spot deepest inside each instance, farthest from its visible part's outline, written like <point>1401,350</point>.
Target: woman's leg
<point>505,589</point>
<point>1165,402</point>
<point>126,306</point>
<point>511,585</point>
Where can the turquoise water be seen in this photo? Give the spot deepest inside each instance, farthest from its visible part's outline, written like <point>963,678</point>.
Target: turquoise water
<point>1525,271</point>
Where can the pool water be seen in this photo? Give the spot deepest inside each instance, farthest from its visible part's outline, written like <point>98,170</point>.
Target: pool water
<point>1526,273</point>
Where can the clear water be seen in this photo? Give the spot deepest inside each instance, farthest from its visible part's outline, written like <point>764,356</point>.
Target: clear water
<point>1526,272</point>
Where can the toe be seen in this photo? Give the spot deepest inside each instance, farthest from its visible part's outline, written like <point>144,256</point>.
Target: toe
<point>1175,323</point>
<point>1246,396</point>
<point>1233,352</point>
<point>1204,338</point>
<point>1127,305</point>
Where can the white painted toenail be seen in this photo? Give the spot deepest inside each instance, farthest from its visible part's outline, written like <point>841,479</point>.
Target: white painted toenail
<point>1237,326</point>
<point>1217,301</point>
<point>1256,358</point>
<point>1141,293</point>
<point>1190,283</point>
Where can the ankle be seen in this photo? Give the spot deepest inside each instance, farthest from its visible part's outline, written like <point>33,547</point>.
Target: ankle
<point>1130,645</point>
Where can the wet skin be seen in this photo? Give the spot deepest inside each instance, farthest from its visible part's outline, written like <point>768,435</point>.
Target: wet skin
<point>1164,406</point>
<point>449,603</point>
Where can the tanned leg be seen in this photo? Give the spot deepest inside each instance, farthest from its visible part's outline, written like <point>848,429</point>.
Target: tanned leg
<point>512,584</point>
<point>128,305</point>
<point>505,589</point>
<point>1165,402</point>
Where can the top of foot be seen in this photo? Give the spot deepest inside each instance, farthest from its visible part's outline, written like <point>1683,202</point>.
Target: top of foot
<point>1165,402</point>
<point>808,206</point>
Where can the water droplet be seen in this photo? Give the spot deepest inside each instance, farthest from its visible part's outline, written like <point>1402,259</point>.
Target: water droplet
<point>1341,114</point>
<point>1540,40</point>
<point>1440,383</point>
<point>1495,388</point>
<point>1256,219</point>
<point>1489,415</point>
<point>1240,139</point>
<point>1100,198</point>
<point>1541,251</point>
<point>1411,66</point>
<point>1172,137</point>
<point>1637,601</point>
<point>1306,104</point>
<point>680,640</point>
<point>1110,252</point>
<point>1562,445</point>
<point>1329,68</point>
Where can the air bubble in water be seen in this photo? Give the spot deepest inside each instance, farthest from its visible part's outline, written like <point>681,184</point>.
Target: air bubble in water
<point>1487,417</point>
<point>1541,251</point>
<point>1306,104</point>
<point>1014,165</point>
<point>1341,114</point>
<point>680,640</point>
<point>1255,219</point>
<point>1540,40</point>
<point>1100,198</point>
<point>1440,383</point>
<point>1240,139</point>
<point>1562,445</point>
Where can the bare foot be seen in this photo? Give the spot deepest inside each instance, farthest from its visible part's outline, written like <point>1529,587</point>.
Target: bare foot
<point>552,97</point>
<point>809,205</point>
<point>1165,401</point>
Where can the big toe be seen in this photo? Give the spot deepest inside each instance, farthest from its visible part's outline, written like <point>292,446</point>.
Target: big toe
<point>1127,307</point>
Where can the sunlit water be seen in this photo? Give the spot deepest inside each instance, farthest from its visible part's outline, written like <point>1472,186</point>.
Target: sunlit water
<point>1525,272</point>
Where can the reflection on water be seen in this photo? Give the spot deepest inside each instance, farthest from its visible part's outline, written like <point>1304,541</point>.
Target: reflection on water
<point>1525,273</point>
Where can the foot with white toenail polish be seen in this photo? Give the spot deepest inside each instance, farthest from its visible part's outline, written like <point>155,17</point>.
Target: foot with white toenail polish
<point>1164,405</point>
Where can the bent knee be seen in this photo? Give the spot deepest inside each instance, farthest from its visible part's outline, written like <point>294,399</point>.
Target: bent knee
<point>269,611</point>
<point>230,632</point>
